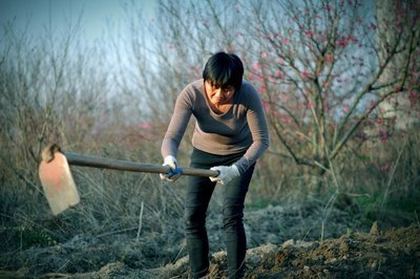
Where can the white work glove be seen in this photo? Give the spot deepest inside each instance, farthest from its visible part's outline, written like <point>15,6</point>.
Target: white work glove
<point>226,174</point>
<point>174,172</point>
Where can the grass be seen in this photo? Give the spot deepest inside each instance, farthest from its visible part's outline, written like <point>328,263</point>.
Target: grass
<point>111,204</point>
<point>379,179</point>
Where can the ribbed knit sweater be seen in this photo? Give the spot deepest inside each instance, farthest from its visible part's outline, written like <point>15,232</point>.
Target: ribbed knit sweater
<point>243,128</point>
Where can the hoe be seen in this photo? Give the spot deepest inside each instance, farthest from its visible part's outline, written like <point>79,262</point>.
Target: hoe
<point>58,184</point>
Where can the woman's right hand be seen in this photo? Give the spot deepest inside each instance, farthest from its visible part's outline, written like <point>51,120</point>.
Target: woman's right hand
<point>174,172</point>
<point>226,174</point>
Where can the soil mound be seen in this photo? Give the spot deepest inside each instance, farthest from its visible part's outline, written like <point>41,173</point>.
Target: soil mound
<point>394,253</point>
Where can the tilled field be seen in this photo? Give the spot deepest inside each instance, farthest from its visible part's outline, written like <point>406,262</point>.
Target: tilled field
<point>283,243</point>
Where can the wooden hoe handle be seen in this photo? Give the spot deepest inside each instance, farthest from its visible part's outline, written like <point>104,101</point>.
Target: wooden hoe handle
<point>105,163</point>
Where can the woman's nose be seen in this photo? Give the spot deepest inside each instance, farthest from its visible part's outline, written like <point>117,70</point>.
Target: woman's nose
<point>218,92</point>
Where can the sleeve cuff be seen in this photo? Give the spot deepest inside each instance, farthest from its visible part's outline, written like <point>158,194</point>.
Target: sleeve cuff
<point>242,164</point>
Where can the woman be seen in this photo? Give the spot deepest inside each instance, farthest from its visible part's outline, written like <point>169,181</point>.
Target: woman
<point>230,135</point>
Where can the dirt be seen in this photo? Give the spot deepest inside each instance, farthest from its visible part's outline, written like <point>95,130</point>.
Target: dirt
<point>283,243</point>
<point>394,253</point>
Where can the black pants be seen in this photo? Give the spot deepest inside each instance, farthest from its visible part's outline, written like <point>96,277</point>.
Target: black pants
<point>199,192</point>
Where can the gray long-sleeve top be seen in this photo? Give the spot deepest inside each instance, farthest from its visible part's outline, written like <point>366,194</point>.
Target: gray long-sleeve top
<point>243,128</point>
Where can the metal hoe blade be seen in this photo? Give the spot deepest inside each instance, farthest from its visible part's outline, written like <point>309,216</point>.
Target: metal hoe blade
<point>57,181</point>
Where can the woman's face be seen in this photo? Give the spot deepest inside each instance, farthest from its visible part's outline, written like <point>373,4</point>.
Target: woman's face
<point>219,95</point>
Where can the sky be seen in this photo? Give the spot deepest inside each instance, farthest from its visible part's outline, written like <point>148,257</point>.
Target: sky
<point>96,14</point>
<point>103,23</point>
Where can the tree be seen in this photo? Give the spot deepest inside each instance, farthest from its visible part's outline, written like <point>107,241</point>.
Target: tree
<point>395,22</point>
<point>327,77</point>
<point>322,67</point>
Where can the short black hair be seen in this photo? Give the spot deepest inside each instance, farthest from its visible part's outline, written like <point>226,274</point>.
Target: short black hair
<point>224,69</point>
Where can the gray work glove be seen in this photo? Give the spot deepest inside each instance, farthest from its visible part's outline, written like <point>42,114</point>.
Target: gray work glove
<point>226,174</point>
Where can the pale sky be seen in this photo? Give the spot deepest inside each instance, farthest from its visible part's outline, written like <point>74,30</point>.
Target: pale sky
<point>103,22</point>
<point>97,14</point>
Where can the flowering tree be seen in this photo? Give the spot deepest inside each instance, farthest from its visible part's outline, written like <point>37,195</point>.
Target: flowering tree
<point>394,25</point>
<point>322,66</point>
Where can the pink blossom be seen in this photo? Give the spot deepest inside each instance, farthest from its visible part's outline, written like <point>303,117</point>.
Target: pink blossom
<point>285,119</point>
<point>278,74</point>
<point>342,42</point>
<point>309,33</point>
<point>345,41</point>
<point>266,106</point>
<point>256,66</point>
<point>346,108</point>
<point>255,77</point>
<point>305,74</point>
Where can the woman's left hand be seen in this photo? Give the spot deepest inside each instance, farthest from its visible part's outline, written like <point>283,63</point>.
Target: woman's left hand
<point>226,174</point>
